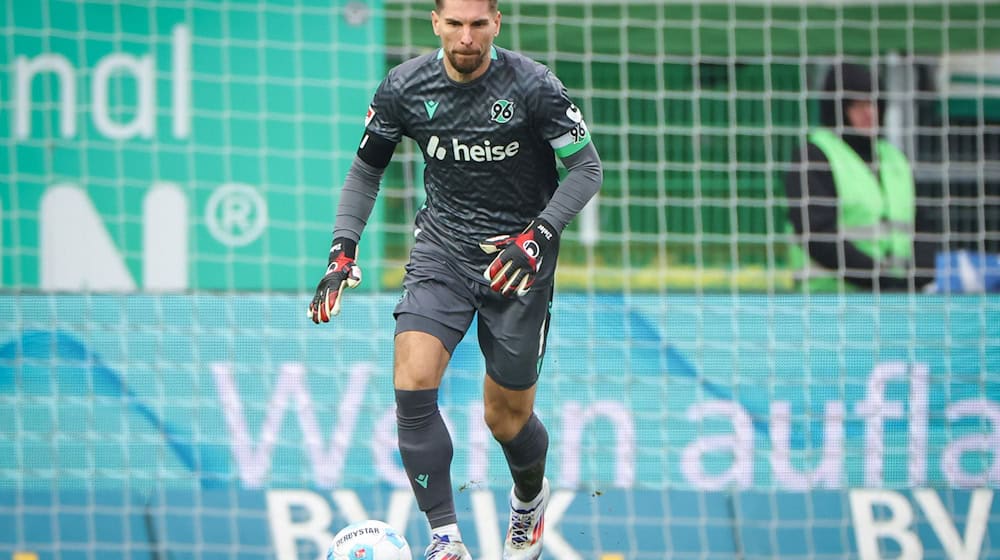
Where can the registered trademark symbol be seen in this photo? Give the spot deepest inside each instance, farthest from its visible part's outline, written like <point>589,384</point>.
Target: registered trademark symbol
<point>236,214</point>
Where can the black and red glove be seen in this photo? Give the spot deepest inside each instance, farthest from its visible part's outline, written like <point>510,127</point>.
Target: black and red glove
<point>513,271</point>
<point>341,272</point>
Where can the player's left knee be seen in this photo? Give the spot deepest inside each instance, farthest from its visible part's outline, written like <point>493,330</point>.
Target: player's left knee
<point>506,428</point>
<point>506,419</point>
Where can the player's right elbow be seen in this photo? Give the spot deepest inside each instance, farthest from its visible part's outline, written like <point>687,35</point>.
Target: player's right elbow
<point>594,171</point>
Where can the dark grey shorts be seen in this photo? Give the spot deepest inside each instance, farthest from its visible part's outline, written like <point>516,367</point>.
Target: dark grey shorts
<point>441,302</point>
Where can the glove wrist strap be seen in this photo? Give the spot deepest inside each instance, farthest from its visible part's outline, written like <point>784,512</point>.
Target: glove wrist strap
<point>545,233</point>
<point>345,246</point>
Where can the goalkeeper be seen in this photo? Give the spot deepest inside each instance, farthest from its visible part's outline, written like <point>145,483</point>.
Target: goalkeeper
<point>490,123</point>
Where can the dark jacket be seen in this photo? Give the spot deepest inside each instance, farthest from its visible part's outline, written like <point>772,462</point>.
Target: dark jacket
<point>812,193</point>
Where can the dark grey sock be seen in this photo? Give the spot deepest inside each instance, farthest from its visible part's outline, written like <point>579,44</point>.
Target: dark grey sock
<point>526,458</point>
<point>426,449</point>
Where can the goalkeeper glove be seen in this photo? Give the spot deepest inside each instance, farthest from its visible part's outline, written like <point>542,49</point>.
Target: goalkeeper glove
<point>513,271</point>
<point>340,273</point>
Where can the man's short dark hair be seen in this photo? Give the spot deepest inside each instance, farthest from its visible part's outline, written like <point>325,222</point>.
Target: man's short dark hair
<point>493,4</point>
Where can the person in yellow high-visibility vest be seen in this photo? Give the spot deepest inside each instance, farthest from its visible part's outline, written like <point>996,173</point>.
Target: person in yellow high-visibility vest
<point>851,201</point>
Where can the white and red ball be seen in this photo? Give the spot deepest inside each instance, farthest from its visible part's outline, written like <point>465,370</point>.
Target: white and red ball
<point>369,540</point>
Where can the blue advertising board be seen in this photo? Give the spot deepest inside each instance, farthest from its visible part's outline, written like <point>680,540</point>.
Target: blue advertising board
<point>208,426</point>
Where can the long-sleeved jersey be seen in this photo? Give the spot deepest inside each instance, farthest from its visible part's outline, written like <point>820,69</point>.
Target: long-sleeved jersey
<point>489,145</point>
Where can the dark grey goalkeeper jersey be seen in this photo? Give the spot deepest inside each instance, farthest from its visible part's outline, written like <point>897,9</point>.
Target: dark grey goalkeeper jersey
<point>489,147</point>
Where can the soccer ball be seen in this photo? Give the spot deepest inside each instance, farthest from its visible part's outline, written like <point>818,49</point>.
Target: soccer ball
<point>369,540</point>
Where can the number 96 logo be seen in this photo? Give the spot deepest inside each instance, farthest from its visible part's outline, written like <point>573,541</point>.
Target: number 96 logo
<point>502,110</point>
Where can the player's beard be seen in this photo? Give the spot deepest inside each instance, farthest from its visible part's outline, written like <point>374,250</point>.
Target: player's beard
<point>466,63</point>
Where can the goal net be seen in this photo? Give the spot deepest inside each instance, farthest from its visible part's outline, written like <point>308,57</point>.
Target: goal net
<point>167,191</point>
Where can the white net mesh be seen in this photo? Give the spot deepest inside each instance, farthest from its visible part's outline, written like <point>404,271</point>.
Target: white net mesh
<point>167,188</point>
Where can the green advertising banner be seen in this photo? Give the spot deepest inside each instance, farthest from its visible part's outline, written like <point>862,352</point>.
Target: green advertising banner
<point>170,146</point>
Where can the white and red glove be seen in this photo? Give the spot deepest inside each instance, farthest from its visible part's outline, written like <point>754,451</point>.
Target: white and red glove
<point>341,272</point>
<point>513,271</point>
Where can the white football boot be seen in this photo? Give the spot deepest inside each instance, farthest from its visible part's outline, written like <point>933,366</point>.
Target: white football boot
<point>527,524</point>
<point>444,548</point>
